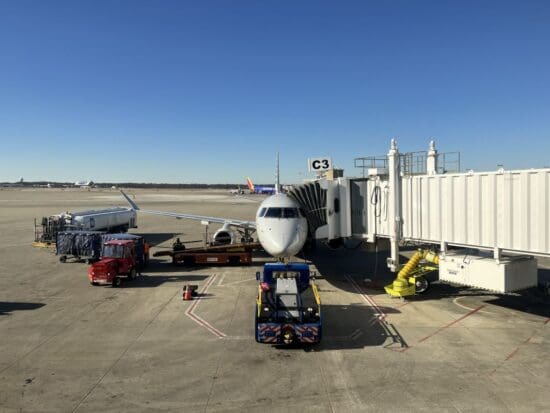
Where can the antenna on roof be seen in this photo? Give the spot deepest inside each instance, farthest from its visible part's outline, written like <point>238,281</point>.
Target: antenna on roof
<point>277,175</point>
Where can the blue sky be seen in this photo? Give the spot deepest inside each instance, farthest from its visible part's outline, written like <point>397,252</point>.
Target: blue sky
<point>208,91</point>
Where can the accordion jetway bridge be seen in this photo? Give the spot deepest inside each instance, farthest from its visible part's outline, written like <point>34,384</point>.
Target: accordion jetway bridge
<point>504,215</point>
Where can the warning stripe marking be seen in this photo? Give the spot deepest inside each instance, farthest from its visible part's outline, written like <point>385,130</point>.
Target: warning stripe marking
<point>379,314</point>
<point>190,312</point>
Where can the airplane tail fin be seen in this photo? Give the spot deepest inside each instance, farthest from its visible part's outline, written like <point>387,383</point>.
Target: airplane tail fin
<point>250,184</point>
<point>132,203</point>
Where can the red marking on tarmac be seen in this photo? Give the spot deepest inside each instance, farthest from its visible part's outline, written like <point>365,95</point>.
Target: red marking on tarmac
<point>201,321</point>
<point>440,329</point>
<point>516,350</point>
<point>475,310</point>
<point>381,316</point>
<point>513,353</point>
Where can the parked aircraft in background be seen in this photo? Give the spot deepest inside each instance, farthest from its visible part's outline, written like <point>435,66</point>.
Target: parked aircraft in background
<point>84,184</point>
<point>260,189</point>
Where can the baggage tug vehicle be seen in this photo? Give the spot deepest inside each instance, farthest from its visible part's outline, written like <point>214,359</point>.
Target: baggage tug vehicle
<point>288,307</point>
<point>117,259</point>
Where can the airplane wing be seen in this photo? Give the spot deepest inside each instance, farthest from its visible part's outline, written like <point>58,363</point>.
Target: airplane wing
<point>232,222</point>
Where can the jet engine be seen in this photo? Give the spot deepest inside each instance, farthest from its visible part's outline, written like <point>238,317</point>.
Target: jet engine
<point>225,236</point>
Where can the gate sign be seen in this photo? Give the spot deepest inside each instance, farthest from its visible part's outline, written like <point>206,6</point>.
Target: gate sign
<point>319,164</point>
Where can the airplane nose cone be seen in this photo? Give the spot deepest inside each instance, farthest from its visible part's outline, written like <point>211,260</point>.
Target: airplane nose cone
<point>282,238</point>
<point>280,247</point>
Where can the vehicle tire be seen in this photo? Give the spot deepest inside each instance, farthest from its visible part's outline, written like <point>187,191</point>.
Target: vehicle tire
<point>117,282</point>
<point>63,258</point>
<point>421,284</point>
<point>132,274</point>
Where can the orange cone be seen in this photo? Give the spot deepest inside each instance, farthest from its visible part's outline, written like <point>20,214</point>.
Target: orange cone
<point>187,294</point>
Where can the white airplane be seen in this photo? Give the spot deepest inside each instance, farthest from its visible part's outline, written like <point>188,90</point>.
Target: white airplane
<point>280,223</point>
<point>83,184</point>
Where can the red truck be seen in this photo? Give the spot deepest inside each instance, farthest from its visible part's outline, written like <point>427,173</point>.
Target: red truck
<point>118,260</point>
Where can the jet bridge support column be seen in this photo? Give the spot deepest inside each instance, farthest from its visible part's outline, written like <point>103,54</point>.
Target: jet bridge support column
<point>394,205</point>
<point>431,159</point>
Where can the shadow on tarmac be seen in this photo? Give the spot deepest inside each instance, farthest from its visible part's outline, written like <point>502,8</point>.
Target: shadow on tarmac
<point>152,281</point>
<point>528,301</point>
<point>369,270</point>
<point>353,326</point>
<point>362,263</point>
<point>7,307</point>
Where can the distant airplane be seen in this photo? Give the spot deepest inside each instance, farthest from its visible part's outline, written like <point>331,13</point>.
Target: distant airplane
<point>84,184</point>
<point>260,189</point>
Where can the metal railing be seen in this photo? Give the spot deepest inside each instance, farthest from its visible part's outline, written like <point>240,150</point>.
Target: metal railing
<point>412,163</point>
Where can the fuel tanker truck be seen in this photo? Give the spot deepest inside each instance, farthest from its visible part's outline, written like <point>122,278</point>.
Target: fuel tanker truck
<point>107,220</point>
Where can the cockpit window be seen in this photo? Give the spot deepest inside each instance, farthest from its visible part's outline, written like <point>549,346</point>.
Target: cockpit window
<point>290,212</point>
<point>262,212</point>
<point>282,213</point>
<point>274,213</point>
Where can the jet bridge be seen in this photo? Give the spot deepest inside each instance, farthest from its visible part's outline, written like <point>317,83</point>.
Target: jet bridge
<point>502,215</point>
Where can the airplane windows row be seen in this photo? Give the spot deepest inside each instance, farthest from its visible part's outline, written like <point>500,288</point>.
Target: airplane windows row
<point>280,213</point>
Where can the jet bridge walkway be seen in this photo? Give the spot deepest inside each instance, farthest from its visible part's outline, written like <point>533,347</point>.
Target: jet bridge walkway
<point>503,212</point>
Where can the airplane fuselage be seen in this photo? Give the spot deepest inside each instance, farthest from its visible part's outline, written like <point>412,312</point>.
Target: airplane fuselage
<point>281,226</point>
<point>264,190</point>
<point>261,189</point>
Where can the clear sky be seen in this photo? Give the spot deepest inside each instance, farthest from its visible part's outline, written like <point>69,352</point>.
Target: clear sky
<point>208,91</point>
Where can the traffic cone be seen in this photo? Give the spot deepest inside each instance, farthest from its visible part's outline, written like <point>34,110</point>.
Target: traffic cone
<point>187,293</point>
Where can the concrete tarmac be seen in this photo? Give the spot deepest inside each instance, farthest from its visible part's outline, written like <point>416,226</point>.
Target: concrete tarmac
<point>67,346</point>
